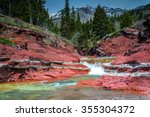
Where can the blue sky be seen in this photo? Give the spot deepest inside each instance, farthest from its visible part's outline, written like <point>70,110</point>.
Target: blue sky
<point>55,5</point>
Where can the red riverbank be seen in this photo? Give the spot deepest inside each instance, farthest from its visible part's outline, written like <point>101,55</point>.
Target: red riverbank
<point>129,71</point>
<point>36,56</point>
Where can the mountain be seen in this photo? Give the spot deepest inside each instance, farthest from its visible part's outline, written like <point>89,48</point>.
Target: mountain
<point>87,12</point>
<point>143,7</point>
<point>56,15</point>
<point>141,11</point>
<point>114,11</point>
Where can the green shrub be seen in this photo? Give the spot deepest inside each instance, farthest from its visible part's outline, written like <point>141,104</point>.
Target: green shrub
<point>18,23</point>
<point>6,41</point>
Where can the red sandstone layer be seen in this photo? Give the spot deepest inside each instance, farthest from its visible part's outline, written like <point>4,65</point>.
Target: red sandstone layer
<point>37,56</point>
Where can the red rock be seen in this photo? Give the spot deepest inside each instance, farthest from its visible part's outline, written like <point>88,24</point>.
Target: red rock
<point>89,83</point>
<point>139,57</point>
<point>127,50</point>
<point>53,74</point>
<point>30,46</point>
<point>116,86</point>
<point>123,46</point>
<point>141,85</point>
<point>116,46</point>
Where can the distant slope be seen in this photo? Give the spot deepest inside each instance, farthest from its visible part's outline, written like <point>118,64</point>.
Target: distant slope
<point>87,12</point>
<point>141,11</point>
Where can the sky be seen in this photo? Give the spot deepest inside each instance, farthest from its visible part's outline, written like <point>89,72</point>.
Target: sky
<point>55,5</point>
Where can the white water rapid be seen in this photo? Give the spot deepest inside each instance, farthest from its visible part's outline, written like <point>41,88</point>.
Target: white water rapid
<point>95,69</point>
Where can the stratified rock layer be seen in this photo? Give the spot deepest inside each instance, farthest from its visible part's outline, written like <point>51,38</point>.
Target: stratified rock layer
<point>130,70</point>
<point>36,56</point>
<point>137,84</point>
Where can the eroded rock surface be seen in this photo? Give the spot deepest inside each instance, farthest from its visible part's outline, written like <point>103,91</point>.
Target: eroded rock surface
<point>130,70</point>
<point>36,56</point>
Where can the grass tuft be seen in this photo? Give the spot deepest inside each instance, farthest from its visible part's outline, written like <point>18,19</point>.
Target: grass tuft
<point>6,41</point>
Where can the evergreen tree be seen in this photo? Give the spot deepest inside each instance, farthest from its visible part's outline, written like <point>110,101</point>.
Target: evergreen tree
<point>126,20</point>
<point>73,21</point>
<point>99,28</point>
<point>109,26</point>
<point>55,29</point>
<point>63,25</point>
<point>21,12</point>
<point>39,13</point>
<point>12,8</point>
<point>78,23</point>
<point>87,29</point>
<point>4,6</point>
<point>30,11</point>
<point>65,21</point>
<point>102,24</point>
<point>50,24</point>
<point>91,22</point>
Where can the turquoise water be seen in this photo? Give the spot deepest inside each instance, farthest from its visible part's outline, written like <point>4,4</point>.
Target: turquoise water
<point>64,90</point>
<point>38,90</point>
<point>61,90</point>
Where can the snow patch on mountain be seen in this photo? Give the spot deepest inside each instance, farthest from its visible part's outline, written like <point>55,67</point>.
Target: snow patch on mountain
<point>87,12</point>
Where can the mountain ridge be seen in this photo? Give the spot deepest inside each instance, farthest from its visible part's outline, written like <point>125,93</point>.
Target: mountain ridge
<point>86,12</point>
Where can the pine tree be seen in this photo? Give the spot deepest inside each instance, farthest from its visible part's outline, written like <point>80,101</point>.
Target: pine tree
<point>39,13</point>
<point>50,24</point>
<point>126,20</point>
<point>109,26</point>
<point>9,7</point>
<point>22,12</point>
<point>63,25</point>
<point>65,21</point>
<point>91,22</point>
<point>102,24</point>
<point>30,11</point>
<point>78,24</point>
<point>99,28</point>
<point>72,21</point>
<point>55,29</point>
<point>4,6</point>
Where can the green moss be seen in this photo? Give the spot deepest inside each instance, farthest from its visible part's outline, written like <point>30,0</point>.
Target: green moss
<point>18,23</point>
<point>6,41</point>
<point>23,25</point>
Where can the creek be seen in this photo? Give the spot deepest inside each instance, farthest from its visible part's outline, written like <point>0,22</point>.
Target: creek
<point>64,90</point>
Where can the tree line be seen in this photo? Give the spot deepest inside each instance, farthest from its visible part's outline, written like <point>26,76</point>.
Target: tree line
<point>31,11</point>
<point>83,35</point>
<point>86,35</point>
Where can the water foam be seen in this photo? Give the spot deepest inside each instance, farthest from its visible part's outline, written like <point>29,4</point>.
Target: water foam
<point>95,69</point>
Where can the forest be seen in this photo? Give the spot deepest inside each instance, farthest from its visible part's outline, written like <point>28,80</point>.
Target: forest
<point>84,35</point>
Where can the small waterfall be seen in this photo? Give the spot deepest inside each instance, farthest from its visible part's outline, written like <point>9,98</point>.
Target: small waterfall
<point>95,69</point>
